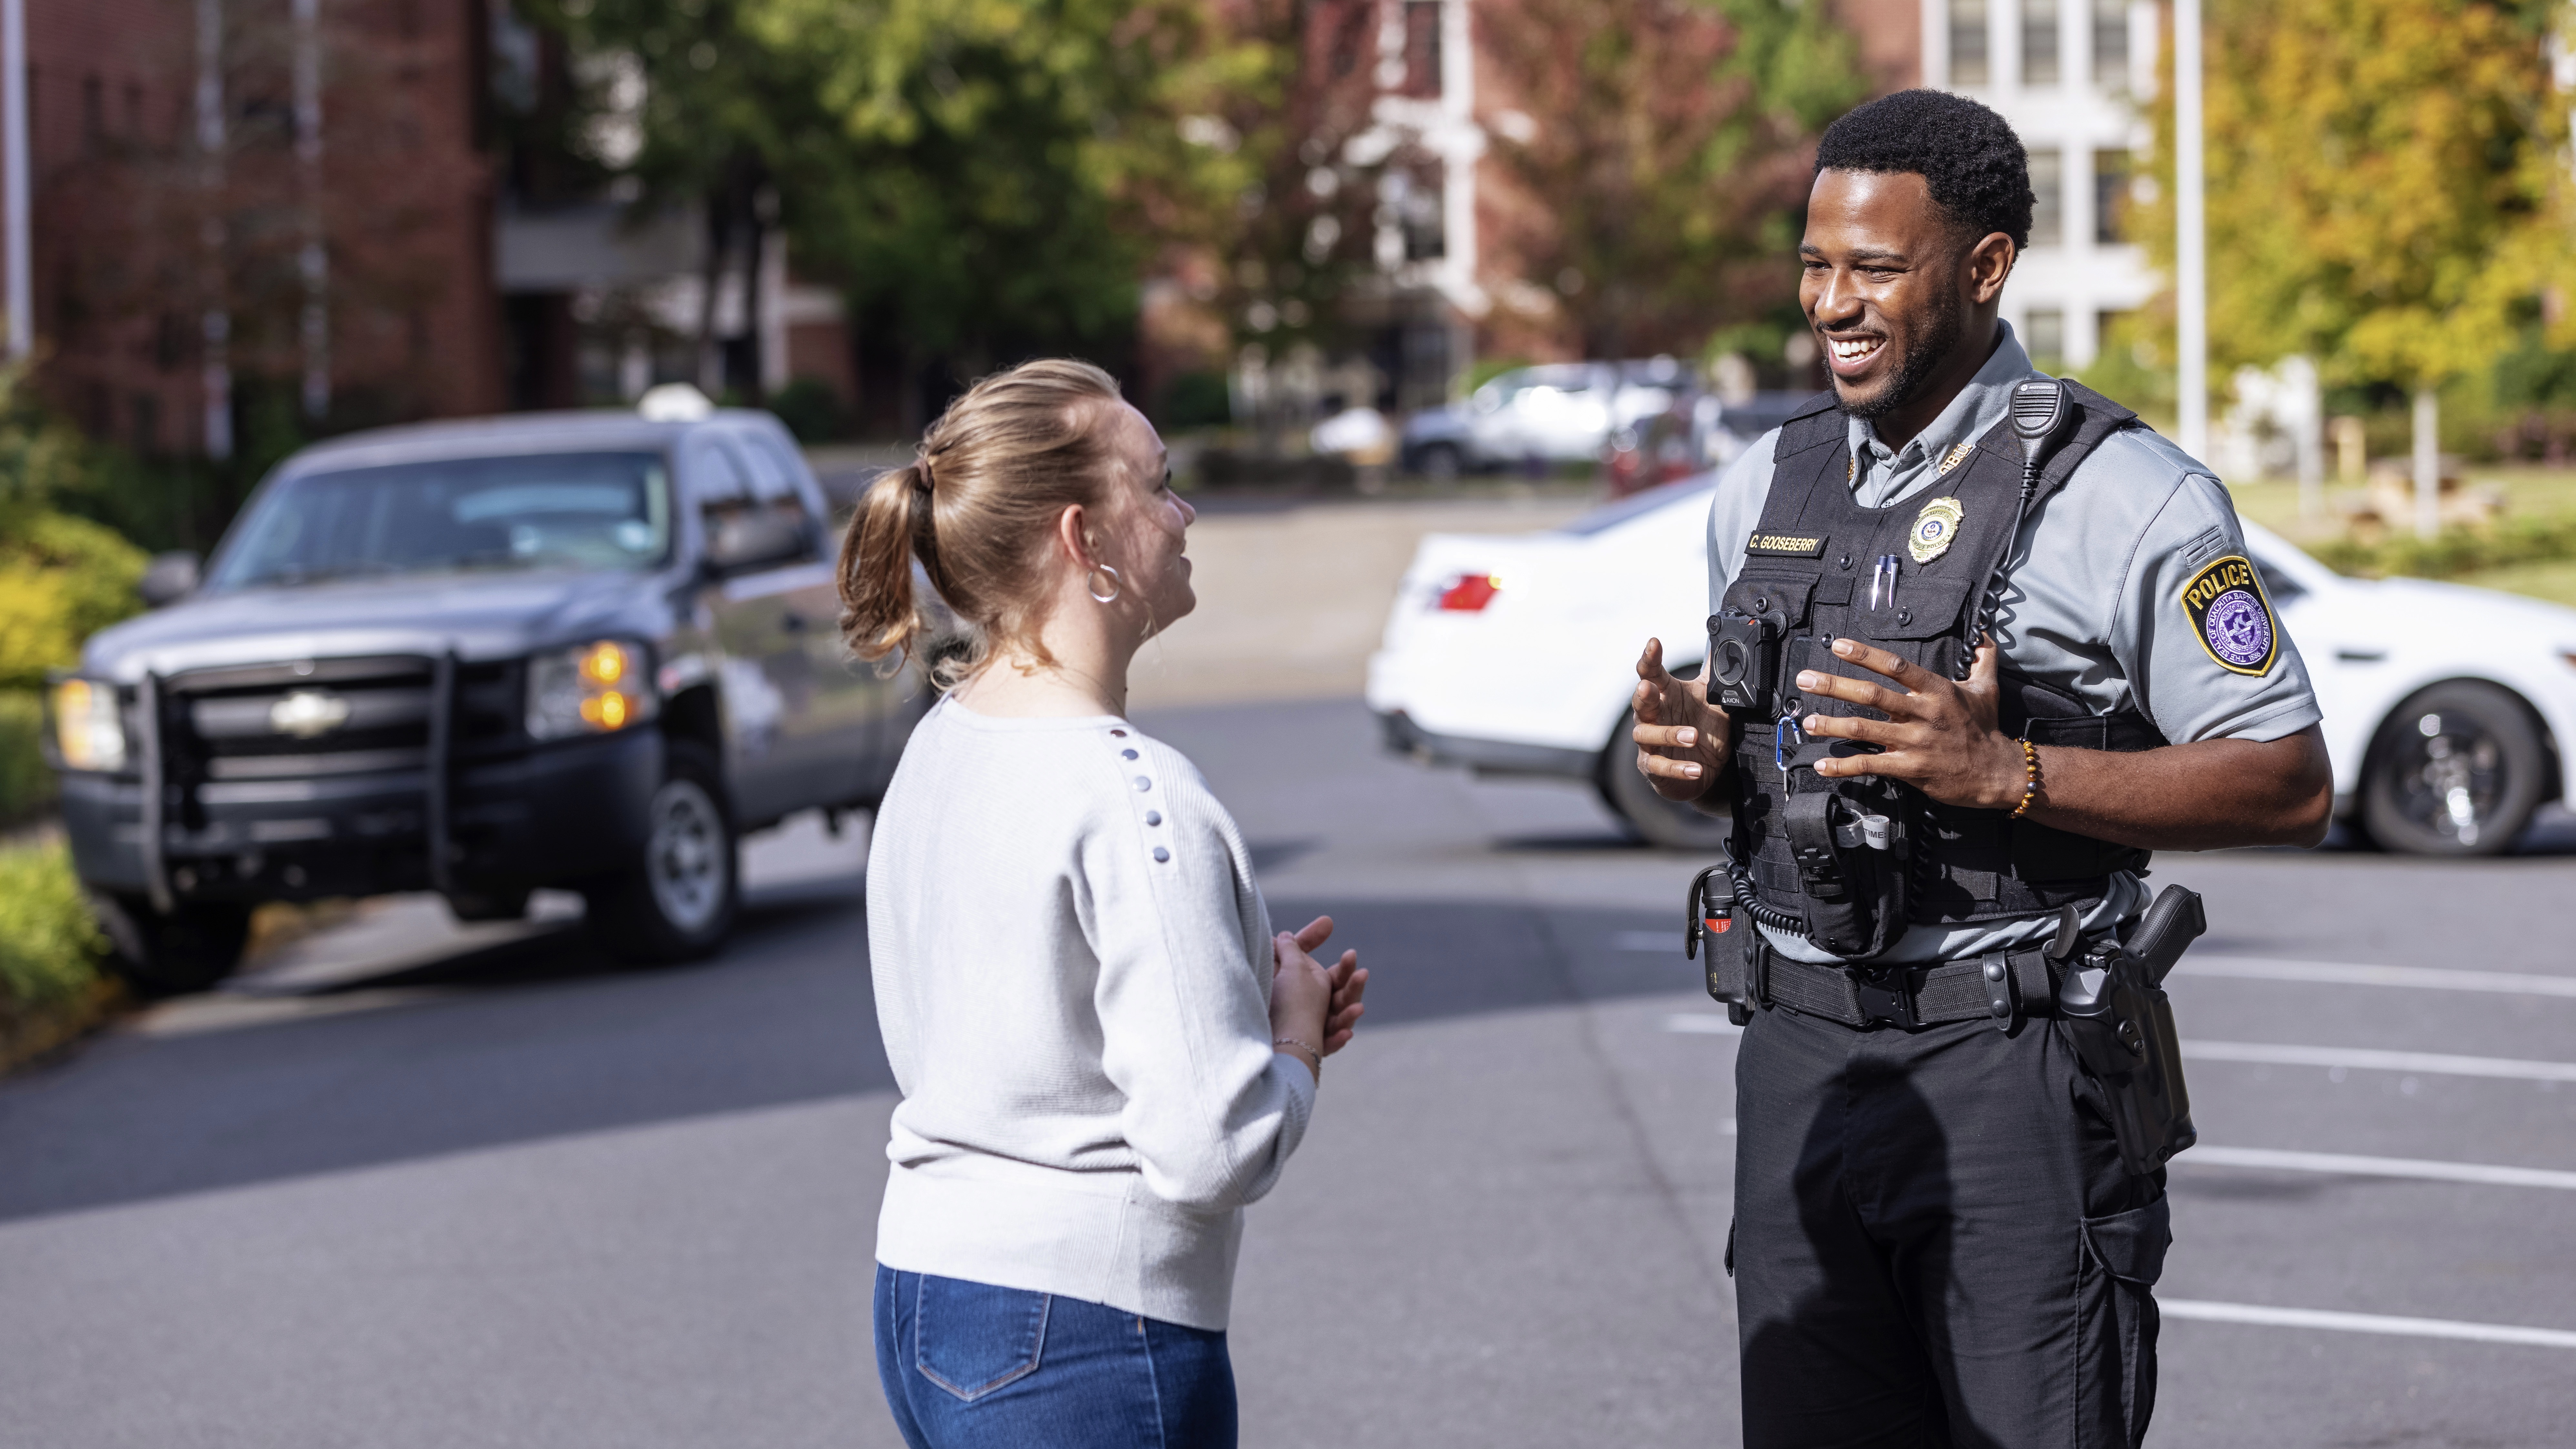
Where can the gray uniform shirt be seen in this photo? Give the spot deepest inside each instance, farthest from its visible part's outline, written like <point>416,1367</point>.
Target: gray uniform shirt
<point>2092,601</point>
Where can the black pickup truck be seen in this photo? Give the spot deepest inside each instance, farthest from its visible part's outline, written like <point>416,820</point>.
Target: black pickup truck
<point>584,651</point>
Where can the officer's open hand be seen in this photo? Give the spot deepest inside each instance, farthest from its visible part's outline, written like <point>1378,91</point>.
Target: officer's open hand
<point>1939,736</point>
<point>1681,738</point>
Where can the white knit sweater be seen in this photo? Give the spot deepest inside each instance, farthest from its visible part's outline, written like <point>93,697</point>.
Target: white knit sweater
<point>1073,977</point>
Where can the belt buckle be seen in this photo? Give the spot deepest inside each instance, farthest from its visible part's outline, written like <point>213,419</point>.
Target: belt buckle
<point>1884,999</point>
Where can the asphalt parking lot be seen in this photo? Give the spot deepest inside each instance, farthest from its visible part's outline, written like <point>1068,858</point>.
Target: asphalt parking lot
<point>410,1185</point>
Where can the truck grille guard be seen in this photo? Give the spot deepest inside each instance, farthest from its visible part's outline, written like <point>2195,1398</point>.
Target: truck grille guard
<point>153,696</point>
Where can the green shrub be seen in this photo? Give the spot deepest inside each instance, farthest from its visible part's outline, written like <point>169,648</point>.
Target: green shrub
<point>50,947</point>
<point>2454,551</point>
<point>26,782</point>
<point>62,579</point>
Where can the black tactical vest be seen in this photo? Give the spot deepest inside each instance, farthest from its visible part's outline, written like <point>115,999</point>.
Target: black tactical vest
<point>1855,861</point>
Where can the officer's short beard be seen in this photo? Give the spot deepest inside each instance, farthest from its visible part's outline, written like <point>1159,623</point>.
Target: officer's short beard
<point>1923,353</point>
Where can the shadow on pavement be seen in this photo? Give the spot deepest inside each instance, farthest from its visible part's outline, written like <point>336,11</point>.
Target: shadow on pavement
<point>538,1038</point>
<point>543,1038</point>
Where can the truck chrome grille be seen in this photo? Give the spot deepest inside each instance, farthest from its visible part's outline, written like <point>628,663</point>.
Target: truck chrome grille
<point>332,717</point>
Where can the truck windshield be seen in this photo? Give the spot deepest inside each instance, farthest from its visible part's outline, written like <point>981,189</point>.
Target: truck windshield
<point>534,511</point>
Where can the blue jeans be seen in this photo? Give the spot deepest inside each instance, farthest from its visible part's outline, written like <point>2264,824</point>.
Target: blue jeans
<point>971,1366</point>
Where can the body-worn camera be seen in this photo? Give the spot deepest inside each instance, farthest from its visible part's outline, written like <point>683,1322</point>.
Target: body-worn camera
<point>1744,662</point>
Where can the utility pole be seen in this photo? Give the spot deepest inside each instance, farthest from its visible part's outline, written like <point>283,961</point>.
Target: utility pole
<point>2191,242</point>
<point>312,261</point>
<point>216,323</point>
<point>13,192</point>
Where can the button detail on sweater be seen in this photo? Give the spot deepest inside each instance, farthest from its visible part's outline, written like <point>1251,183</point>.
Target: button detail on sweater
<point>1118,734</point>
<point>1153,817</point>
<point>1160,854</point>
<point>1144,784</point>
<point>1126,754</point>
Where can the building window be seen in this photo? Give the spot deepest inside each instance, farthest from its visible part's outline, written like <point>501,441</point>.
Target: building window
<point>1415,198</point>
<point>2048,206</point>
<point>2111,44</point>
<point>2046,341</point>
<point>1422,48</point>
<point>1967,42</point>
<point>2039,42</point>
<point>2111,197</point>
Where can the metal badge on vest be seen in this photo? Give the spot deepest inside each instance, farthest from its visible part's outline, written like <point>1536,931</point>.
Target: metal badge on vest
<point>1852,863</point>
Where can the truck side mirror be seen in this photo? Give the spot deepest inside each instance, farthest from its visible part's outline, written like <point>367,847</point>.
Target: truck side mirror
<point>738,542</point>
<point>168,577</point>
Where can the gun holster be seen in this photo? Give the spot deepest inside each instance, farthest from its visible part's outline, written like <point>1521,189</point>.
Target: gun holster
<point>2114,1006</point>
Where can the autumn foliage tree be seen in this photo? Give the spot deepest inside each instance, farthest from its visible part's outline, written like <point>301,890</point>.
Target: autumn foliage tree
<point>1669,143</point>
<point>2388,185</point>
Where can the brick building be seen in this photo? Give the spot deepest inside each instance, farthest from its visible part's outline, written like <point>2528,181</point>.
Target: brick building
<point>284,213</point>
<point>238,205</point>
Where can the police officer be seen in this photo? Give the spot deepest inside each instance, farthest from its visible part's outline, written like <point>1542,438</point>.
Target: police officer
<point>1977,678</point>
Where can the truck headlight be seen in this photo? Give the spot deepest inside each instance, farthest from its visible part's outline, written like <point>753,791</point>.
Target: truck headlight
<point>593,689</point>
<point>87,729</point>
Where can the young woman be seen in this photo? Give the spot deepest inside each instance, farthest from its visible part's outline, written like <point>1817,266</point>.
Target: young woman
<point>1103,1049</point>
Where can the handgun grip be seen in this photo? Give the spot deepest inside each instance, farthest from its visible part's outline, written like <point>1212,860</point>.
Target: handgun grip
<point>2168,929</point>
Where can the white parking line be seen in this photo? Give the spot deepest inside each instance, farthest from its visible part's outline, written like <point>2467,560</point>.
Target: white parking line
<point>2265,968</point>
<point>2208,1312</point>
<point>2484,1174</point>
<point>2336,973</point>
<point>1700,1023</point>
<point>2429,1063</point>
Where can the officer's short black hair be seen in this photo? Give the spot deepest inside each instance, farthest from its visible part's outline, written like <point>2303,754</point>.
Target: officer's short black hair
<point>1968,156</point>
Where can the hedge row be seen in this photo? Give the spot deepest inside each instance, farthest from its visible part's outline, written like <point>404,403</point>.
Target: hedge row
<point>2454,551</point>
<point>52,985</point>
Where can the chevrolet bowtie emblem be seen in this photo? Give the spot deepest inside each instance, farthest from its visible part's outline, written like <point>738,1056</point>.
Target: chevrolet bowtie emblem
<point>308,712</point>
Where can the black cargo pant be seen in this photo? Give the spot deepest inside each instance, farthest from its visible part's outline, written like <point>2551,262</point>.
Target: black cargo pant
<point>1935,1243</point>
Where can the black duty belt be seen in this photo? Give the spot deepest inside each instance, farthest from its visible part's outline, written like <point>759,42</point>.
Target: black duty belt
<point>2001,987</point>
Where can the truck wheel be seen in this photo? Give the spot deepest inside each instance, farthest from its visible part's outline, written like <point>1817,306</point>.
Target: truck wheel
<point>2457,770</point>
<point>677,902</point>
<point>1440,463</point>
<point>1658,821</point>
<point>190,949</point>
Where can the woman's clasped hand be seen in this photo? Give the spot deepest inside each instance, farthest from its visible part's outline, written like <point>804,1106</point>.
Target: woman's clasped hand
<point>1314,1008</point>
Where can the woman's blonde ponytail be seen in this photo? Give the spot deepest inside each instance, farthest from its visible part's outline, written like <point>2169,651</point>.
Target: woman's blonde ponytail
<point>878,613</point>
<point>978,509</point>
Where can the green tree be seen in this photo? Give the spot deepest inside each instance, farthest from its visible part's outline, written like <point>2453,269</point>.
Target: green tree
<point>982,178</point>
<point>2387,185</point>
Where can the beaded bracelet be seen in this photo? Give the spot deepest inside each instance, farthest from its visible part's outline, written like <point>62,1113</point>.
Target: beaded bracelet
<point>2030,781</point>
<point>1293,1044</point>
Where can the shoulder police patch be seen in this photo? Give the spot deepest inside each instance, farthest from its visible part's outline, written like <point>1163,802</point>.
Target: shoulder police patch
<point>2231,616</point>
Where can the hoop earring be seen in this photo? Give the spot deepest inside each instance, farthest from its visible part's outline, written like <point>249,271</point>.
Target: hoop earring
<point>1117,585</point>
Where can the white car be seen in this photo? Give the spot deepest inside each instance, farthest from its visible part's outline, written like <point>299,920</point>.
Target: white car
<point>2444,705</point>
<point>1560,412</point>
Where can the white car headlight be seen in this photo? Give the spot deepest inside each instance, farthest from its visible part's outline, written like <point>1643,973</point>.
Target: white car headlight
<point>589,689</point>
<point>87,728</point>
